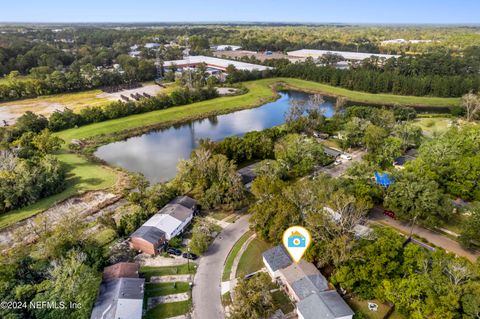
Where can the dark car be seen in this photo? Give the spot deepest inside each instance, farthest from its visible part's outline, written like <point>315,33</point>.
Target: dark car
<point>174,251</point>
<point>190,256</point>
<point>389,213</point>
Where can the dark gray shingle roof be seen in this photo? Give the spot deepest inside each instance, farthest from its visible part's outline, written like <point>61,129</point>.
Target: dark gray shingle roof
<point>325,305</point>
<point>277,258</point>
<point>185,201</point>
<point>149,233</point>
<point>248,173</point>
<point>331,152</point>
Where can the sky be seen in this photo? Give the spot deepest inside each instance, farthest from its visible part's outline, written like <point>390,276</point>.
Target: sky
<point>313,11</point>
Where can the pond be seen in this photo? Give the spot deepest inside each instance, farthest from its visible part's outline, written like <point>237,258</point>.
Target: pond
<point>157,153</point>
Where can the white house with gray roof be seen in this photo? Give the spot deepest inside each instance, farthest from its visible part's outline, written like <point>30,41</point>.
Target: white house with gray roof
<point>276,259</point>
<point>327,303</point>
<point>120,298</point>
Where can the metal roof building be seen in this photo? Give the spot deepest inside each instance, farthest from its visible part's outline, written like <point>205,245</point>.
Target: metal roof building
<point>215,63</point>
<point>120,299</point>
<point>352,56</point>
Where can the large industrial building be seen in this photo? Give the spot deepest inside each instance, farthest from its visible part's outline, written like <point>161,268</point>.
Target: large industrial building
<point>348,56</point>
<point>213,63</point>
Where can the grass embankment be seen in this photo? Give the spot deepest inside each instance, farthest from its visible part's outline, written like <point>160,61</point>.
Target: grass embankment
<point>251,259</point>
<point>168,310</point>
<point>363,97</point>
<point>82,176</point>
<point>259,92</point>
<point>183,269</point>
<point>227,268</point>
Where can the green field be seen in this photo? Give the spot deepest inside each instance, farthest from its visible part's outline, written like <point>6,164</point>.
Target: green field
<point>168,310</point>
<point>379,99</point>
<point>259,93</point>
<point>251,259</point>
<point>183,269</point>
<point>227,268</point>
<point>82,176</point>
<point>165,288</point>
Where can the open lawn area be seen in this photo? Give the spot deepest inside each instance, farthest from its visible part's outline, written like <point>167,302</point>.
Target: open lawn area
<point>165,288</point>
<point>82,176</point>
<point>363,97</point>
<point>233,253</point>
<point>183,269</point>
<point>251,259</point>
<point>168,310</point>
<point>432,126</point>
<point>362,305</point>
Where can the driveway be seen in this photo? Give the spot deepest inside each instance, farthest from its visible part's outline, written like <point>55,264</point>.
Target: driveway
<point>336,171</point>
<point>435,238</point>
<point>206,297</point>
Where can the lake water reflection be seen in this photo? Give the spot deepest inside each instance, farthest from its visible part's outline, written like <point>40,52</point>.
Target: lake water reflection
<point>157,153</point>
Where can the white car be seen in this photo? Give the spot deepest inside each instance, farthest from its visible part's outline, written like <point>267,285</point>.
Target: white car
<point>337,162</point>
<point>346,157</point>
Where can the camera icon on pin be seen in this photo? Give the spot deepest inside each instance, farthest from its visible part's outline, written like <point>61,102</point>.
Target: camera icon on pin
<point>297,240</point>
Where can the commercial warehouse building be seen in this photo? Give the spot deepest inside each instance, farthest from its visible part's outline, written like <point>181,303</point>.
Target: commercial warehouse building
<point>213,63</point>
<point>348,56</point>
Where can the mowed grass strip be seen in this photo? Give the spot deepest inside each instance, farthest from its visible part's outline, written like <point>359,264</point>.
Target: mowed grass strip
<point>165,288</point>
<point>227,269</point>
<point>251,259</point>
<point>167,310</point>
<point>364,97</point>
<point>82,176</point>
<point>259,93</point>
<point>184,269</point>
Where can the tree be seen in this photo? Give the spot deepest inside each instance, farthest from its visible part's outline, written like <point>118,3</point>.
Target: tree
<point>414,198</point>
<point>253,298</point>
<point>470,227</point>
<point>471,104</point>
<point>70,281</point>
<point>202,236</point>
<point>410,135</point>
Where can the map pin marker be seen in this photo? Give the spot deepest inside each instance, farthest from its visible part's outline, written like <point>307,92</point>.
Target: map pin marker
<point>296,240</point>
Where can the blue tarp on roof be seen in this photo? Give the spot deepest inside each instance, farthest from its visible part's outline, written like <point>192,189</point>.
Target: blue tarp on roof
<point>383,179</point>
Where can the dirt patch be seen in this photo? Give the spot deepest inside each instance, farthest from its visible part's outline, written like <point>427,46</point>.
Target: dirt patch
<point>88,204</point>
<point>151,90</point>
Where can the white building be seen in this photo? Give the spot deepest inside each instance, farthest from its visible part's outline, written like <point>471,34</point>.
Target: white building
<point>226,47</point>
<point>349,56</point>
<point>214,63</point>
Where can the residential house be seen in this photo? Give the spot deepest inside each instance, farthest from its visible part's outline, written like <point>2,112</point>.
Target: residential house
<point>121,293</point>
<point>306,285</point>
<point>169,222</point>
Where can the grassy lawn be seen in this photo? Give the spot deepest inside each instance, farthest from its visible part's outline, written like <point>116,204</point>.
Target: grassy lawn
<point>74,101</point>
<point>168,310</point>
<point>148,271</point>
<point>165,288</point>
<point>251,259</point>
<point>219,214</point>
<point>82,176</point>
<point>434,125</point>
<point>362,305</point>
<point>362,97</point>
<point>105,236</point>
<point>233,253</point>
<point>281,301</point>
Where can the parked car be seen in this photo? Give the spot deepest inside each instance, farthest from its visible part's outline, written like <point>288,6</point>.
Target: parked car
<point>174,251</point>
<point>389,213</point>
<point>346,157</point>
<point>337,162</point>
<point>190,256</point>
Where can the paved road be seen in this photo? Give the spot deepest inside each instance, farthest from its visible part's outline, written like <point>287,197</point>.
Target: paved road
<point>435,238</point>
<point>206,290</point>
